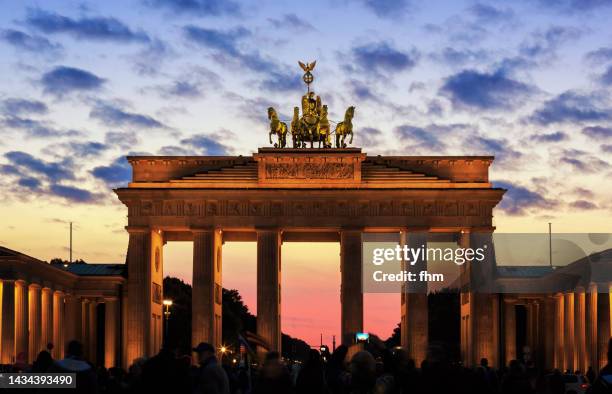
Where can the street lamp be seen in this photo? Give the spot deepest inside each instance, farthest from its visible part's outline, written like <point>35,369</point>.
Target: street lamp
<point>167,305</point>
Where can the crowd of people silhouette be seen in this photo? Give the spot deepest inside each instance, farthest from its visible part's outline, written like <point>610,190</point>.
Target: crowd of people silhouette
<point>390,372</point>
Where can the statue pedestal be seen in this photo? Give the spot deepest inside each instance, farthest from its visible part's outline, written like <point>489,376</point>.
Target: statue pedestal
<point>326,167</point>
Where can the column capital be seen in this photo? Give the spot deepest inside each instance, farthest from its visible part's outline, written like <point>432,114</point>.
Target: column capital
<point>111,298</point>
<point>35,285</point>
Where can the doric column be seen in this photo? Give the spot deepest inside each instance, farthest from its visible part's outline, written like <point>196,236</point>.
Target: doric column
<point>144,288</point>
<point>546,332</point>
<point>21,319</point>
<point>206,298</point>
<point>569,332</point>
<point>58,325</point>
<point>579,330</point>
<point>73,318</point>
<point>7,326</point>
<point>414,307</point>
<point>35,321</point>
<point>466,336</point>
<point>92,326</point>
<point>591,327</point>
<point>351,296</point>
<point>269,288</point>
<point>111,331</point>
<point>483,306</point>
<point>509,330</point>
<point>604,328</point>
<point>559,331</point>
<point>85,326</point>
<point>46,334</point>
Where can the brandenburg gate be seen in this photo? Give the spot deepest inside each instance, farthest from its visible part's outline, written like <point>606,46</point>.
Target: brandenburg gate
<point>310,192</point>
<point>282,195</point>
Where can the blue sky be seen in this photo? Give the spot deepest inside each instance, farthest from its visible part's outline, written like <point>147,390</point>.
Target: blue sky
<point>86,83</point>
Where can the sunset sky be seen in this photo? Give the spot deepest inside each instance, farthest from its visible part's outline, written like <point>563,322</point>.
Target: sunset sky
<point>83,84</point>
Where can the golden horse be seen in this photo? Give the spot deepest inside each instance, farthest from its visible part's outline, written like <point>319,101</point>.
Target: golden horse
<point>323,129</point>
<point>277,127</point>
<point>345,128</point>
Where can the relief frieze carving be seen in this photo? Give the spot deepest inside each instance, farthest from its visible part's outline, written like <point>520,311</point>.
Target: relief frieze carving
<point>319,208</point>
<point>309,170</point>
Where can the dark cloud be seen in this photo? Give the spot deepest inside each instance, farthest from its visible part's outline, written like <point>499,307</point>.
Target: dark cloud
<point>572,6</point>
<point>54,171</point>
<point>481,90</point>
<point>600,55</point>
<point>29,42</point>
<point>35,128</point>
<point>606,77</point>
<point>543,44</point>
<point>123,140</point>
<point>208,144</point>
<point>607,148</point>
<point>362,91</point>
<point>583,162</point>
<point>491,146</point>
<point>584,193</point>
<point>86,149</point>
<point>291,22</point>
<point>186,89</point>
<point>387,8</point>
<point>73,194</point>
<point>116,174</point>
<point>227,46</point>
<point>63,80</point>
<point>382,58</point>
<point>114,116</point>
<point>98,28</point>
<point>149,60</point>
<point>198,7</point>
<point>557,136</point>
<point>597,132</point>
<point>29,183</point>
<point>487,13</point>
<point>584,205</point>
<point>16,107</point>
<point>419,137</point>
<point>518,200</point>
<point>368,136</point>
<point>571,106</point>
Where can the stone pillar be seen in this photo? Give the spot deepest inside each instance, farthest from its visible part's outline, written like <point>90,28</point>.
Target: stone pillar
<point>206,298</point>
<point>591,327</point>
<point>58,325</point>
<point>144,288</point>
<point>92,335</point>
<point>414,308</point>
<point>466,337</point>
<point>46,317</point>
<point>73,318</point>
<point>604,326</point>
<point>509,330</point>
<point>111,331</point>
<point>569,332</point>
<point>559,332</point>
<point>85,326</point>
<point>351,296</point>
<point>579,330</point>
<point>546,336</point>
<point>21,320</point>
<point>7,326</point>
<point>35,321</point>
<point>269,288</point>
